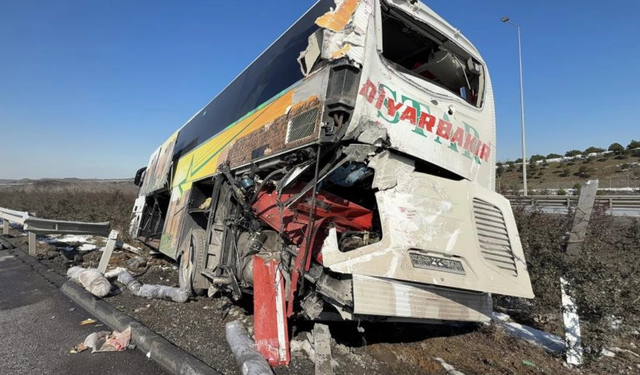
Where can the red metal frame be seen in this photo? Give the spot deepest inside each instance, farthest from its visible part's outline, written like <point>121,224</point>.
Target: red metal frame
<point>270,322</point>
<point>293,222</point>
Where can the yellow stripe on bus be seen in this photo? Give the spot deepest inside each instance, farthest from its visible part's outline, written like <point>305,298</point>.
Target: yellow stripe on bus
<point>203,161</point>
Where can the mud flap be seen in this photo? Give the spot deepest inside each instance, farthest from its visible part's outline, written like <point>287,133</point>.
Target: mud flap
<point>269,319</point>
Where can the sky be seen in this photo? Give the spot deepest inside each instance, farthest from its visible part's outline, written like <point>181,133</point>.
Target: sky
<point>90,89</point>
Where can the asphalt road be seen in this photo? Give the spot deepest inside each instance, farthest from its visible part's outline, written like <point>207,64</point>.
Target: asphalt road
<point>40,325</point>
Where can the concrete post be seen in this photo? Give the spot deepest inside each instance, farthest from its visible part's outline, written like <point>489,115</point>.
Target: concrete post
<point>5,227</point>
<point>108,249</point>
<point>32,244</point>
<point>571,321</point>
<point>582,216</point>
<point>322,346</point>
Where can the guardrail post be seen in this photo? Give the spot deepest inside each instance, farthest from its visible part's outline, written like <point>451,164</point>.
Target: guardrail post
<point>32,244</point>
<point>582,216</point>
<point>108,249</point>
<point>5,227</point>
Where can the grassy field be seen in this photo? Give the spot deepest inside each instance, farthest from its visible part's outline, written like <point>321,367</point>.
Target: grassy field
<point>612,171</point>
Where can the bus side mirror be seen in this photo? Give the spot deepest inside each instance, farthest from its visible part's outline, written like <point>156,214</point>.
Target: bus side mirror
<point>139,176</point>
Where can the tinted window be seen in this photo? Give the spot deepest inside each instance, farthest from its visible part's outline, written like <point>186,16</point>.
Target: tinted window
<point>275,70</point>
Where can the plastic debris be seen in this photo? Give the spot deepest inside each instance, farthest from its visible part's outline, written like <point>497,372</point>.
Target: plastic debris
<point>114,272</point>
<point>152,291</point>
<point>88,321</point>
<point>92,280</point>
<point>137,262</point>
<point>139,309</point>
<point>129,248</point>
<point>450,369</point>
<point>529,363</point>
<point>242,346</point>
<point>105,341</point>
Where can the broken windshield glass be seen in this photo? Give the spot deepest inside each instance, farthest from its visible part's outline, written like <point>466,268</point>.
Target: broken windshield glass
<point>416,49</point>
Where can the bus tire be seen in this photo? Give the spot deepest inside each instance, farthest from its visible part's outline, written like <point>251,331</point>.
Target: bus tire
<point>194,243</point>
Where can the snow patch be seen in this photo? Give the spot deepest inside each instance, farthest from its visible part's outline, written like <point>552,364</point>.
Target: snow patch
<point>531,335</point>
<point>87,247</point>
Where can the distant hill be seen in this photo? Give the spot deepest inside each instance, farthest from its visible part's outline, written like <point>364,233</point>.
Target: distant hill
<point>614,170</point>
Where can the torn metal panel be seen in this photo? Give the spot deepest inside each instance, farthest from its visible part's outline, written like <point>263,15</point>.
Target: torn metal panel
<point>372,133</point>
<point>138,209</point>
<point>342,34</point>
<point>431,220</point>
<point>338,290</point>
<point>390,168</point>
<point>337,19</point>
<point>157,174</point>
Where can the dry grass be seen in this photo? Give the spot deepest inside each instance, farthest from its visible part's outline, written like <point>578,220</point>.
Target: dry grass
<point>89,202</point>
<point>605,278</point>
<point>610,170</point>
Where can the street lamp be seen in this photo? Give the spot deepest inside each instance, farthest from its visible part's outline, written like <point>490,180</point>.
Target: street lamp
<point>524,152</point>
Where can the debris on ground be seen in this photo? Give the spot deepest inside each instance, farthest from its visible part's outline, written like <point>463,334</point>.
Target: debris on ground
<point>4,244</point>
<point>91,279</point>
<point>5,257</point>
<point>86,322</point>
<point>105,341</point>
<point>302,344</point>
<point>534,336</point>
<point>129,248</point>
<point>137,262</point>
<point>450,369</point>
<point>152,291</point>
<point>140,309</point>
<point>251,362</point>
<point>114,272</point>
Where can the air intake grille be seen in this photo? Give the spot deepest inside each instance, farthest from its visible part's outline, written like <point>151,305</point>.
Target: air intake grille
<point>493,236</point>
<point>302,126</point>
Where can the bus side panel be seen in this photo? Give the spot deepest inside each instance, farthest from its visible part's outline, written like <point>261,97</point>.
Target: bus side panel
<point>256,136</point>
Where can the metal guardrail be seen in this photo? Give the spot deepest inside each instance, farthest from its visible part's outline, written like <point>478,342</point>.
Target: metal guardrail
<point>611,201</point>
<point>13,216</point>
<point>35,225</point>
<point>44,226</point>
<point>618,205</point>
<point>47,226</point>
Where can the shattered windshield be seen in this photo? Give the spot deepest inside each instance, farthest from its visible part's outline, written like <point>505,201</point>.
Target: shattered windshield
<point>419,50</point>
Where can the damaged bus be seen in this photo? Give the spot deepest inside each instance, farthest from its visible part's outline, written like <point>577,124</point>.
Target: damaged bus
<point>347,173</point>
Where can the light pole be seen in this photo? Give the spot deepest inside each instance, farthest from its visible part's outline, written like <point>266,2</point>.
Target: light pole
<point>524,149</point>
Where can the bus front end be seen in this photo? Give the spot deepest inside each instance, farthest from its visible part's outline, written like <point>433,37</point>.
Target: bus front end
<point>446,241</point>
